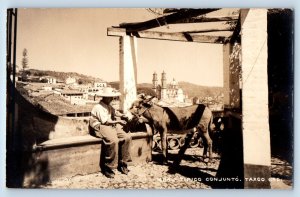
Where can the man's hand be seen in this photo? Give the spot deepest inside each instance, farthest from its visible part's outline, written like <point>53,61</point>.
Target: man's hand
<point>118,121</point>
<point>119,114</point>
<point>122,122</point>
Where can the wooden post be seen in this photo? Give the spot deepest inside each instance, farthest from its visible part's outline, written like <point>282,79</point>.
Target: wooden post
<point>226,74</point>
<point>230,78</point>
<point>128,71</point>
<point>256,134</point>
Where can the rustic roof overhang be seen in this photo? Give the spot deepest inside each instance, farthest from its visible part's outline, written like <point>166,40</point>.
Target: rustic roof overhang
<point>189,25</point>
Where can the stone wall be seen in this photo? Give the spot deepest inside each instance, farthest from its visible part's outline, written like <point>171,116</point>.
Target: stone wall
<point>43,147</point>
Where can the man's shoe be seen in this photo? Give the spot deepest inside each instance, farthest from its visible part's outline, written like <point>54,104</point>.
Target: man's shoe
<point>123,169</point>
<point>108,173</point>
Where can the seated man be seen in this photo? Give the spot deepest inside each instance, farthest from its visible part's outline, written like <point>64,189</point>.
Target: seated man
<point>106,126</point>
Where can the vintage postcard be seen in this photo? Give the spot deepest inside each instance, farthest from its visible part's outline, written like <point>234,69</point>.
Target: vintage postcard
<point>150,98</point>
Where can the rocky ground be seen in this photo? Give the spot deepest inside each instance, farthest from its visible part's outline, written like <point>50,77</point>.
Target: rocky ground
<point>282,174</point>
<point>152,175</point>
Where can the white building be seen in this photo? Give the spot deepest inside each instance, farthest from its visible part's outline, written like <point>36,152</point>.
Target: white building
<point>74,96</point>
<point>48,79</point>
<point>70,80</point>
<point>100,84</point>
<point>47,88</point>
<point>52,80</point>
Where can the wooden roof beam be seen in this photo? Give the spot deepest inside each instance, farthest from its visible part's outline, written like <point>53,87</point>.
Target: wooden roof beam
<point>178,36</point>
<point>204,19</point>
<point>164,20</point>
<point>220,29</point>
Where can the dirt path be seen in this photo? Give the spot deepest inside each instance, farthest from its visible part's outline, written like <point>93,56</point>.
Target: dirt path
<point>151,175</point>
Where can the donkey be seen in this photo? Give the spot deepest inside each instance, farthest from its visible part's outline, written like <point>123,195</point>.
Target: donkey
<point>195,119</point>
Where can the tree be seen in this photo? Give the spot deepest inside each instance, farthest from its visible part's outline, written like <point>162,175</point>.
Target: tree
<point>44,80</point>
<point>24,59</point>
<point>80,81</point>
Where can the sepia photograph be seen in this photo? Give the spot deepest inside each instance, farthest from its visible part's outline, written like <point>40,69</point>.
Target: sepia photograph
<point>150,98</point>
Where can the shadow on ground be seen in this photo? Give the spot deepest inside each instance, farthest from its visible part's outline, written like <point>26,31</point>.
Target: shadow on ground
<point>224,172</point>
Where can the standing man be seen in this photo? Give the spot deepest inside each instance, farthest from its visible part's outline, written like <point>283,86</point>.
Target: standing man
<point>106,126</point>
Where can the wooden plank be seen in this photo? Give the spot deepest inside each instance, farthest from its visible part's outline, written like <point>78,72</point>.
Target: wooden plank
<point>196,27</point>
<point>210,30</point>
<point>186,37</point>
<point>179,36</point>
<point>204,19</point>
<point>115,31</point>
<point>161,21</point>
<point>197,19</point>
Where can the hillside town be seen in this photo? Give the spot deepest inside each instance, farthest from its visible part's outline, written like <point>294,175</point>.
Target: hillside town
<point>60,97</point>
<point>70,97</point>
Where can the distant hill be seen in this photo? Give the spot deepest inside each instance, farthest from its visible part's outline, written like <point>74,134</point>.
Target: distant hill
<point>116,84</point>
<point>141,88</point>
<point>190,89</point>
<point>201,91</point>
<point>62,76</point>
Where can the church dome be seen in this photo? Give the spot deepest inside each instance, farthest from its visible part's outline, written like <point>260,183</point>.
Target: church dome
<point>174,83</point>
<point>179,91</point>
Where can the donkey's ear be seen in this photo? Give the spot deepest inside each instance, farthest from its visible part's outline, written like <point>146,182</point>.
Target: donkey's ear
<point>152,98</point>
<point>150,101</point>
<point>141,96</point>
<point>149,98</point>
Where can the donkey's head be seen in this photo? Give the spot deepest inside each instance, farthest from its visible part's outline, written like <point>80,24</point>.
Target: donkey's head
<point>140,107</point>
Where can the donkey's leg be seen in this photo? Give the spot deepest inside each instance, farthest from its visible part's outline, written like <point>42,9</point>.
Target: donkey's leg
<point>204,147</point>
<point>182,150</point>
<point>164,145</point>
<point>208,144</point>
<point>204,126</point>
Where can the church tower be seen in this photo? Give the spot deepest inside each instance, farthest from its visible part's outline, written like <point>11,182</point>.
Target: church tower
<point>163,85</point>
<point>154,82</point>
<point>163,80</point>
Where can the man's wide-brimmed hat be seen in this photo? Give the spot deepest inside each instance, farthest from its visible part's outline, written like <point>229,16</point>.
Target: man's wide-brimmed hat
<point>108,92</point>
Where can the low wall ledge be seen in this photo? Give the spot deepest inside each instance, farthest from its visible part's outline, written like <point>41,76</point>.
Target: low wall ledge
<point>78,141</point>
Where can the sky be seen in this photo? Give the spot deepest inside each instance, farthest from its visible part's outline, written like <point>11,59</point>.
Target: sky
<point>75,40</point>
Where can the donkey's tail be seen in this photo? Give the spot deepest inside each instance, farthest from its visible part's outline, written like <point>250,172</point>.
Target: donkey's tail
<point>212,126</point>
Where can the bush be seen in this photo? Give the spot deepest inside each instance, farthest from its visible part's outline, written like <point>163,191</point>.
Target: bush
<point>146,91</point>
